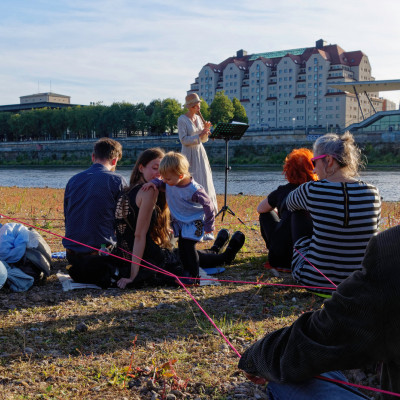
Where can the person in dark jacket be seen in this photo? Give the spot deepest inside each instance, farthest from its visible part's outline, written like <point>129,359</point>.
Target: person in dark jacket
<point>358,326</point>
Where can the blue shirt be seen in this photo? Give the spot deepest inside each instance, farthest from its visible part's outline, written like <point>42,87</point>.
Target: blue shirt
<point>89,206</point>
<point>189,203</point>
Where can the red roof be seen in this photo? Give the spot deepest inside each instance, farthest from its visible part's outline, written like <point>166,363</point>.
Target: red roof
<point>332,53</point>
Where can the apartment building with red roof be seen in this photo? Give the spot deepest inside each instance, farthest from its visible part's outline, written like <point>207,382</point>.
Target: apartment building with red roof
<point>290,88</point>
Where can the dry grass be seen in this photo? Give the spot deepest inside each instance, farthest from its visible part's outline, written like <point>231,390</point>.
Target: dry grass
<point>44,356</point>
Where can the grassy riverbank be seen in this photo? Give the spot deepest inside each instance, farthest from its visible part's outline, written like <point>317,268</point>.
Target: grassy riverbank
<point>108,344</point>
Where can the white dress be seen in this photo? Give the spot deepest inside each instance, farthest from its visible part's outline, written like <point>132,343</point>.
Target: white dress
<point>193,149</point>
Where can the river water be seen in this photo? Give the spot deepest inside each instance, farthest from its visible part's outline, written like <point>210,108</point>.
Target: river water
<point>247,181</point>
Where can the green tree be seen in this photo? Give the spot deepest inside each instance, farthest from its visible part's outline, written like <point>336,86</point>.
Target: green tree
<point>205,110</point>
<point>154,113</point>
<point>31,125</point>
<point>221,109</point>
<point>15,126</point>
<point>5,126</point>
<point>128,112</point>
<point>172,109</point>
<point>239,113</point>
<point>142,119</point>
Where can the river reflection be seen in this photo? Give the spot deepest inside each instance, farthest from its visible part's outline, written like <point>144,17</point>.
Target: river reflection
<point>246,181</point>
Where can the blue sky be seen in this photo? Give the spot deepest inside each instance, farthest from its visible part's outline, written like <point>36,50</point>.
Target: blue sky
<point>140,50</point>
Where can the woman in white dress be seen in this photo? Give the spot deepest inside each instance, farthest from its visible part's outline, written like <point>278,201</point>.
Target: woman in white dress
<point>192,134</point>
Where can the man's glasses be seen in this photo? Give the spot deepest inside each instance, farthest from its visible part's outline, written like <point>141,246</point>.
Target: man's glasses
<point>317,158</point>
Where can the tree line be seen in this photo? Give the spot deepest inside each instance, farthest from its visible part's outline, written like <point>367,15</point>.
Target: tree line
<point>123,119</point>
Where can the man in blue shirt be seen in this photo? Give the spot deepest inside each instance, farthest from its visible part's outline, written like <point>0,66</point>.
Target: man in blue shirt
<point>89,204</point>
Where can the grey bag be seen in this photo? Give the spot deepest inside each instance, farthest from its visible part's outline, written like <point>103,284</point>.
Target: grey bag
<point>38,252</point>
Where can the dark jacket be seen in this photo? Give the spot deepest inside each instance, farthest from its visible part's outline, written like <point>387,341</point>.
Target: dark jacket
<point>358,326</point>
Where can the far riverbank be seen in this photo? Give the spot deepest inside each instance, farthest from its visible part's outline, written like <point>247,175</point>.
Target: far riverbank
<point>248,181</point>
<point>254,149</point>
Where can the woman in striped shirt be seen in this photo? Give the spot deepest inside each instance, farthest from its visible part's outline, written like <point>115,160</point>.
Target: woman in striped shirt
<point>345,214</point>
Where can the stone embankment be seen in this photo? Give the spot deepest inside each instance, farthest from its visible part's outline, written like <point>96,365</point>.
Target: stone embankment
<point>252,146</point>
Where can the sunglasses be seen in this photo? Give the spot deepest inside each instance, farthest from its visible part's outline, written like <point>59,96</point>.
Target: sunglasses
<point>317,158</point>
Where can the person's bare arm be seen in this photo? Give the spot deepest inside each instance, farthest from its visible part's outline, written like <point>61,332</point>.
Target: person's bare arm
<point>146,201</point>
<point>264,206</point>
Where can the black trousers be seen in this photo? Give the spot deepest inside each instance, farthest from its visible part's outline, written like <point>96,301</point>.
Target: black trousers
<point>100,270</point>
<point>95,269</point>
<point>189,256</point>
<point>279,235</point>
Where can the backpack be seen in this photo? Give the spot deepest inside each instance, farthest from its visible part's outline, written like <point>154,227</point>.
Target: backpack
<point>36,261</point>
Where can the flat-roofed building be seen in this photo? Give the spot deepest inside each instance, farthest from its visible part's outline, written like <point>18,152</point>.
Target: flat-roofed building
<point>291,88</point>
<point>39,100</point>
<point>48,97</point>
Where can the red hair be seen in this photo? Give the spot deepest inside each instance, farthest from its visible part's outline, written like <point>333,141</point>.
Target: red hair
<point>298,167</point>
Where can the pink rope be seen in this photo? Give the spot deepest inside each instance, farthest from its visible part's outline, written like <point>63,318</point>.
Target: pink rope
<point>324,378</point>
<point>226,280</point>
<point>261,283</point>
<point>158,269</point>
<point>315,268</point>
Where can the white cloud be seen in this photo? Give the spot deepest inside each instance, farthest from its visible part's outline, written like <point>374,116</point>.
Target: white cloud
<point>141,50</point>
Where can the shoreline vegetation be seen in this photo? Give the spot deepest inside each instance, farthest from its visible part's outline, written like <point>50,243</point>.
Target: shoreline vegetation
<point>150,343</point>
<point>374,156</point>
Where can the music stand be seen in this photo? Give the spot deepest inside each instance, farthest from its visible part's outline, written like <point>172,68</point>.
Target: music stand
<point>227,132</point>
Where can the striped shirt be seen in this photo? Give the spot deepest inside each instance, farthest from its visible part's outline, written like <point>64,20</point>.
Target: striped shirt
<point>345,216</point>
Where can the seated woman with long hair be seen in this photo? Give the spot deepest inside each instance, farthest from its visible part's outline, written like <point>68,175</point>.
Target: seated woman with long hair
<point>143,231</point>
<point>276,227</point>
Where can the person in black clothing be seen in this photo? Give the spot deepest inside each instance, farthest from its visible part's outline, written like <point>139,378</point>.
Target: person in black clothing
<point>276,227</point>
<point>356,328</point>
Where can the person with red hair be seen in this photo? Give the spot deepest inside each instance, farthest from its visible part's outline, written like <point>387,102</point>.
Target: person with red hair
<point>276,227</point>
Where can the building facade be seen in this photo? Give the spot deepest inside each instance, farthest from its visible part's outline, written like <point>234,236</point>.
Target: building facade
<point>48,97</point>
<point>290,89</point>
<point>39,100</point>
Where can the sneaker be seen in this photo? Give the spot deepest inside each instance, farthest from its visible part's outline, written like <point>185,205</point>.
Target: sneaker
<point>208,236</point>
<point>188,281</point>
<point>234,245</point>
<point>220,241</point>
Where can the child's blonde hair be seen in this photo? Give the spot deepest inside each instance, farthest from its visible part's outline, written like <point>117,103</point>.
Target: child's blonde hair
<point>175,163</point>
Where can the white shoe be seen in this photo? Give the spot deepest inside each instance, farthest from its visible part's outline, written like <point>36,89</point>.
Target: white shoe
<point>208,236</point>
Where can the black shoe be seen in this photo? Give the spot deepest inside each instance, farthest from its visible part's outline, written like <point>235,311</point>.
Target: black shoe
<point>220,241</point>
<point>234,245</point>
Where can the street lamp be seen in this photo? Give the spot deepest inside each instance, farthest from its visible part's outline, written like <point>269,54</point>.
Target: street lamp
<point>293,121</point>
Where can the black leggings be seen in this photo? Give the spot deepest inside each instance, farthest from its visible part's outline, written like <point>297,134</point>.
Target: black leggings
<point>279,235</point>
<point>189,256</point>
<point>192,259</point>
